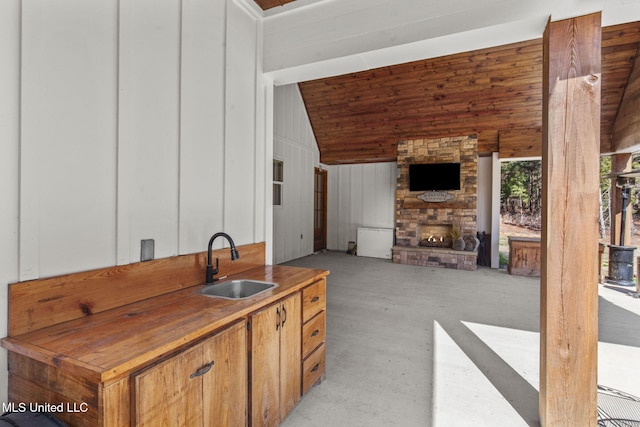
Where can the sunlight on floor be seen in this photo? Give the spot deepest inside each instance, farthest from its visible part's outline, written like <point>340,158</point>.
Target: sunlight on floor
<point>465,394</point>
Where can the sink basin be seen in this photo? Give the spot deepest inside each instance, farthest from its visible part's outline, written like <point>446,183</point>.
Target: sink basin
<point>237,289</point>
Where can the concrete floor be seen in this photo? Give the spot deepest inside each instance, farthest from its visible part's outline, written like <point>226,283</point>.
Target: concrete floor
<point>414,346</point>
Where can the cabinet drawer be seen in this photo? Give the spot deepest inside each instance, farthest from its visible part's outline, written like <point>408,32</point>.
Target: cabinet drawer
<point>313,369</point>
<point>313,299</point>
<point>313,334</point>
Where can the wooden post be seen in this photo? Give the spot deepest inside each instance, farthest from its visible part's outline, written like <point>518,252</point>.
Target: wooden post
<point>570,167</point>
<point>619,163</point>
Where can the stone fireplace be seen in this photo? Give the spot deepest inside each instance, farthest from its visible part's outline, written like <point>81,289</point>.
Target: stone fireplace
<point>423,228</point>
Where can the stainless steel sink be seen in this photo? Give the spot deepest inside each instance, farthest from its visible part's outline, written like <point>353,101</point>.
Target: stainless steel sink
<point>237,289</point>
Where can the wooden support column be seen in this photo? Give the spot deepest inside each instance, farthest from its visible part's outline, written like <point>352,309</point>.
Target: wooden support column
<point>619,163</point>
<point>570,170</point>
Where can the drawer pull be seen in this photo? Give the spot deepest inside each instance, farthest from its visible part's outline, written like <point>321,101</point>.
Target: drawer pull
<point>203,370</point>
<point>284,312</point>
<point>315,299</point>
<point>315,368</point>
<point>315,333</point>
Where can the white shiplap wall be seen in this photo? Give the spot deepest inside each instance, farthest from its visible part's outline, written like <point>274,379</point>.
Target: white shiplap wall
<point>294,144</point>
<point>9,163</point>
<point>123,120</point>
<point>359,196</point>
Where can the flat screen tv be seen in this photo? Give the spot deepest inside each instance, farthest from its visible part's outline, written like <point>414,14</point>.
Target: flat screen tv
<point>434,176</point>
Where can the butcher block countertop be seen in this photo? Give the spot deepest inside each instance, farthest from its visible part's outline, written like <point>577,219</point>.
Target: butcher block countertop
<point>109,345</point>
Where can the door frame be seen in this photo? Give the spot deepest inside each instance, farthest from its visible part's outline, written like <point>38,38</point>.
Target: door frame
<point>323,238</point>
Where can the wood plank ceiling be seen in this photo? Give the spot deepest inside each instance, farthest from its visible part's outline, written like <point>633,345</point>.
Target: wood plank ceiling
<point>268,4</point>
<point>495,93</point>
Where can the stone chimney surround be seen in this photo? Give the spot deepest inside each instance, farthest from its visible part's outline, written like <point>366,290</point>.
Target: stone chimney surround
<point>420,225</point>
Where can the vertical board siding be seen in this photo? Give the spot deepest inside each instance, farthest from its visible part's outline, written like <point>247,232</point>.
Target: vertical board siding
<point>9,162</point>
<point>240,106</point>
<point>201,123</point>
<point>295,145</point>
<point>68,136</point>
<point>137,121</point>
<point>359,196</point>
<point>149,108</point>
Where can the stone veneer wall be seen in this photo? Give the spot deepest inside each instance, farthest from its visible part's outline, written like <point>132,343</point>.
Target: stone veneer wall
<point>461,210</point>
<point>435,257</point>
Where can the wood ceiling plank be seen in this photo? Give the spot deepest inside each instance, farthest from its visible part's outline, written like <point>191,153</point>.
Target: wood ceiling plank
<point>268,4</point>
<point>484,91</point>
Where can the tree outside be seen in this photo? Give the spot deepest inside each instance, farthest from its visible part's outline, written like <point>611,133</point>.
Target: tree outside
<point>521,198</point>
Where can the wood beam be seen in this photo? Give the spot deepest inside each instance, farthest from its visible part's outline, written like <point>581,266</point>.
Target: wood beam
<point>570,167</point>
<point>626,128</point>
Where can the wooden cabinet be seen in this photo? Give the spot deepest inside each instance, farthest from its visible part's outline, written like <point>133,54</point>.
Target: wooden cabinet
<point>205,385</point>
<point>524,256</point>
<point>78,349</point>
<point>275,341</point>
<point>313,334</point>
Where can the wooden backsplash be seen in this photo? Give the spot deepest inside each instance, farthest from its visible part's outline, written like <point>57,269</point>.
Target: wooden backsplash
<point>36,304</point>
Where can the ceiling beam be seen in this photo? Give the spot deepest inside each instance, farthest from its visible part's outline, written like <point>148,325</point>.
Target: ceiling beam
<point>626,128</point>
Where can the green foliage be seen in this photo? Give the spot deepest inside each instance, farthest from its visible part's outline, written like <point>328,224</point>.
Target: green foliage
<point>521,189</point>
<point>503,260</point>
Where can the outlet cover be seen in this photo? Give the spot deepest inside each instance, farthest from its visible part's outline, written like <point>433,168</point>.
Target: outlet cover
<point>147,249</point>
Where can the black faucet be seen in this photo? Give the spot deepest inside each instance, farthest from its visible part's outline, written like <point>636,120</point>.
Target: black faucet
<point>209,279</point>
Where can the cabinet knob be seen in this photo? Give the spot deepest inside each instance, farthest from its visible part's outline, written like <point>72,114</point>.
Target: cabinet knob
<point>315,299</point>
<point>315,333</point>
<point>278,321</point>
<point>203,370</point>
<point>315,368</point>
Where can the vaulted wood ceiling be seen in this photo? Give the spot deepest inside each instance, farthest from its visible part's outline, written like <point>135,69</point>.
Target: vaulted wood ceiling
<point>495,93</point>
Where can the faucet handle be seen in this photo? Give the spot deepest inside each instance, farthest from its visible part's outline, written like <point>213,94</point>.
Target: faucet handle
<point>211,272</point>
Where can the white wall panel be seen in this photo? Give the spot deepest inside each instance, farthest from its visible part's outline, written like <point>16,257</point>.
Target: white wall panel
<point>202,123</point>
<point>240,105</point>
<point>113,120</point>
<point>356,190</point>
<point>9,163</point>
<point>149,126</point>
<point>68,126</point>
<point>484,193</point>
<point>295,145</point>
<point>359,196</point>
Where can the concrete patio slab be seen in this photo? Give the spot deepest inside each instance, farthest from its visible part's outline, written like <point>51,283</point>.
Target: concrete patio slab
<point>415,346</point>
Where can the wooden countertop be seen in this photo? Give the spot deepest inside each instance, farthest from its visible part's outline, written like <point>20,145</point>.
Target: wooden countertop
<point>109,345</point>
<point>523,239</point>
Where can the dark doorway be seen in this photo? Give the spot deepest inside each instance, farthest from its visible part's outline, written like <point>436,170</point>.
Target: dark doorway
<point>320,210</point>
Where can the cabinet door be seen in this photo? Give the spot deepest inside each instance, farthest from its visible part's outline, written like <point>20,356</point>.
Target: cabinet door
<point>225,387</point>
<point>164,394</point>
<point>290,345</point>
<point>205,385</point>
<point>265,366</point>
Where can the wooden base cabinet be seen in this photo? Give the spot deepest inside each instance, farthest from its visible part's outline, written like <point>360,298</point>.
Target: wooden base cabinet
<point>314,303</point>
<point>165,356</point>
<point>205,385</point>
<point>275,342</point>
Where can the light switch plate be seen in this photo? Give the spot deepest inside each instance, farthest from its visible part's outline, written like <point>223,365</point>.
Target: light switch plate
<point>147,249</point>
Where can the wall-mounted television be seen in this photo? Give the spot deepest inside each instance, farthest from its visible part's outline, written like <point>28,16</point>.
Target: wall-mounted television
<point>434,176</point>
